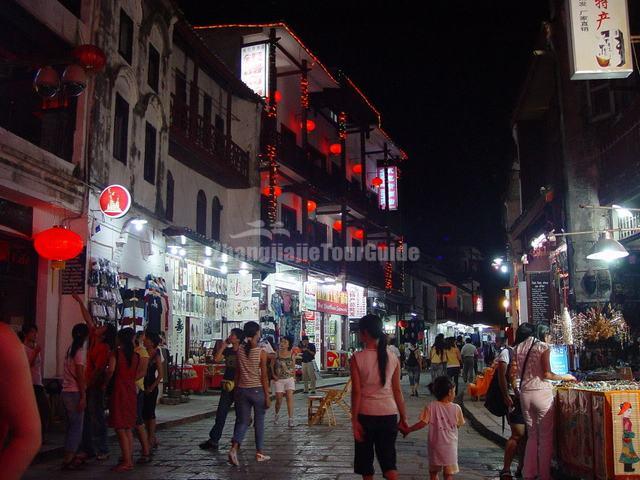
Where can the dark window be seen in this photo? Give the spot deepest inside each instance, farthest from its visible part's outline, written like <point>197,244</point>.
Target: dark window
<point>600,100</point>
<point>153,75</point>
<point>150,154</point>
<point>181,87</point>
<point>125,40</point>
<point>74,6</point>
<point>320,233</point>
<point>207,109</point>
<point>201,214</point>
<point>170,187</point>
<point>219,124</point>
<point>289,219</point>
<point>288,144</point>
<point>337,238</point>
<point>120,129</point>
<point>216,210</point>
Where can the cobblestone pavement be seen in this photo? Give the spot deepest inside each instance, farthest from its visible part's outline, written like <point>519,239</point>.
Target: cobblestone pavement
<point>302,452</point>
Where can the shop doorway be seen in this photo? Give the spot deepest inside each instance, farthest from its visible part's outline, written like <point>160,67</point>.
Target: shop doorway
<point>18,281</point>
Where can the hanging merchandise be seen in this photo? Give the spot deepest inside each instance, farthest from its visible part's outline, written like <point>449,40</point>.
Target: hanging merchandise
<point>133,308</point>
<point>153,303</point>
<point>104,294</point>
<point>277,304</point>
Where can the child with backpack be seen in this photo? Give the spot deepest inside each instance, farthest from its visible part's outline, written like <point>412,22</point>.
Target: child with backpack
<point>444,418</point>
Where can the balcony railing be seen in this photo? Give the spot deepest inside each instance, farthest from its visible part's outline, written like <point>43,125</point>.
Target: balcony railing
<point>626,225</point>
<point>220,154</point>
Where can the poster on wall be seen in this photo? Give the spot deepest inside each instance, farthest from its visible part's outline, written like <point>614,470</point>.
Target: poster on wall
<point>540,297</point>
<point>239,287</point>
<point>625,418</point>
<point>244,310</point>
<point>332,301</point>
<point>357,301</point>
<point>599,39</point>
<point>310,300</point>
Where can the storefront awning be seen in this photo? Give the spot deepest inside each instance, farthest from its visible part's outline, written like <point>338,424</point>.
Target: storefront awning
<point>199,248</point>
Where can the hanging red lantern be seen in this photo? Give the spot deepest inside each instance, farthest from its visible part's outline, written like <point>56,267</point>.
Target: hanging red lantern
<point>357,168</point>
<point>311,206</point>
<point>337,225</point>
<point>277,96</point>
<point>266,191</point>
<point>90,57</point>
<point>382,245</point>
<point>358,234</point>
<point>335,148</point>
<point>403,324</point>
<point>58,244</point>
<point>376,182</point>
<point>311,125</point>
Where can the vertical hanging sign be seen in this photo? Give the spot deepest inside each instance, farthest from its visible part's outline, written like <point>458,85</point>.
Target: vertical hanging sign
<point>392,177</point>
<point>599,39</point>
<point>254,68</point>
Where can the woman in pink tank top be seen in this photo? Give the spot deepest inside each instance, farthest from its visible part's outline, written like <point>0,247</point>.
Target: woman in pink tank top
<point>533,371</point>
<point>376,401</point>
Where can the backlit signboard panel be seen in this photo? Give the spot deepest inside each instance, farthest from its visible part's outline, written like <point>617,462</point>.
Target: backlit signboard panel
<point>254,68</point>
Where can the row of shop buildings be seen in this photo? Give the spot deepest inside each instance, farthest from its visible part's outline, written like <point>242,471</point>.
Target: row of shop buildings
<point>571,207</point>
<point>195,163</point>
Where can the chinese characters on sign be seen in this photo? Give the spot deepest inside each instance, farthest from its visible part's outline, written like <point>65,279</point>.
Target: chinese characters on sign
<point>357,301</point>
<point>392,179</point>
<point>599,38</point>
<point>310,301</point>
<point>332,301</point>
<point>254,68</point>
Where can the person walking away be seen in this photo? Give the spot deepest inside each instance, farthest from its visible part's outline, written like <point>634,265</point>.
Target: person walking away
<point>284,371</point>
<point>74,396</point>
<point>444,418</point>
<point>376,402</point>
<point>454,361</point>
<point>143,436</point>
<point>125,367</point>
<point>227,351</point>
<point>515,445</point>
<point>414,362</point>
<point>94,428</point>
<point>468,354</point>
<point>438,357</point>
<point>20,428</point>
<point>308,367</point>
<point>480,359</point>
<point>252,392</point>
<point>34,357</point>
<point>152,380</point>
<point>393,346</point>
<point>533,369</point>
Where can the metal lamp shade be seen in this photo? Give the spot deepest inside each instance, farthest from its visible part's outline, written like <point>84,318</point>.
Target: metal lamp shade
<point>607,249</point>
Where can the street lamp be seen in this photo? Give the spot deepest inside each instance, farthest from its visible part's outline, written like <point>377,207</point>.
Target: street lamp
<point>607,249</point>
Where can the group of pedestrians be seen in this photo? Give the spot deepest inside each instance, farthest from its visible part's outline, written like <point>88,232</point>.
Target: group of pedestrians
<point>125,367</point>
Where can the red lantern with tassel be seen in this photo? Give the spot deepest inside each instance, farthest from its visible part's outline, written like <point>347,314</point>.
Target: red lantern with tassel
<point>58,244</point>
<point>90,57</point>
<point>376,182</point>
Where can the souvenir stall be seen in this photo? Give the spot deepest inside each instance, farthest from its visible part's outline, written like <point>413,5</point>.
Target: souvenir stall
<point>284,291</point>
<point>212,291</point>
<point>332,305</point>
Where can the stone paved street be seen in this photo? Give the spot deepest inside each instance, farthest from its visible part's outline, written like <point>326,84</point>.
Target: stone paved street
<point>309,453</point>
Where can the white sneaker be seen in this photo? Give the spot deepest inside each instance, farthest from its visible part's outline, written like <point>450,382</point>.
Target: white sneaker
<point>276,418</point>
<point>262,458</point>
<point>290,422</point>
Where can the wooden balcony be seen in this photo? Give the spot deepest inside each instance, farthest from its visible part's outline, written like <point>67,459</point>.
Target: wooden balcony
<point>208,151</point>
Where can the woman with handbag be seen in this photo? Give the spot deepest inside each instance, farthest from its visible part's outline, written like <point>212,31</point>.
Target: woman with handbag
<point>227,351</point>
<point>533,370</point>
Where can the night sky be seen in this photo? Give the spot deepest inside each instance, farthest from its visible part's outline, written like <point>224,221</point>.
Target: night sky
<point>446,81</point>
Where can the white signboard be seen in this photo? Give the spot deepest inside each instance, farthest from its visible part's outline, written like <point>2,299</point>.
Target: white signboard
<point>239,287</point>
<point>254,68</point>
<point>392,178</point>
<point>599,39</point>
<point>310,296</point>
<point>357,301</point>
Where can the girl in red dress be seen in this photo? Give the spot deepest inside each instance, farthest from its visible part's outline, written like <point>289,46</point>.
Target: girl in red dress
<point>125,366</point>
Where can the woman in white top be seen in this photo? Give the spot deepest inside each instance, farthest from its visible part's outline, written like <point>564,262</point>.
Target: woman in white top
<point>376,401</point>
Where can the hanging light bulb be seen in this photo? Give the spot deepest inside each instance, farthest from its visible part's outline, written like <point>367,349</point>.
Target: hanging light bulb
<point>607,249</point>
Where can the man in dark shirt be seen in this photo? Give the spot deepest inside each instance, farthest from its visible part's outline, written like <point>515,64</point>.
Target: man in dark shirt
<point>308,368</point>
<point>229,354</point>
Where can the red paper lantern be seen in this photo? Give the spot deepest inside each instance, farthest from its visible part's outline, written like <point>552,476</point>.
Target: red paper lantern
<point>311,205</point>
<point>311,125</point>
<point>357,168</point>
<point>335,148</point>
<point>58,243</point>
<point>266,191</point>
<point>403,324</point>
<point>358,233</point>
<point>337,225</point>
<point>382,245</point>
<point>376,182</point>
<point>277,96</point>
<point>90,57</point>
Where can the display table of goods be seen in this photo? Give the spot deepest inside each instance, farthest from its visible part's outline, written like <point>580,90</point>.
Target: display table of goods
<point>597,423</point>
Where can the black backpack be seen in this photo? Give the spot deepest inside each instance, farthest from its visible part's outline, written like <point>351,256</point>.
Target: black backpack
<point>494,400</point>
<point>412,361</point>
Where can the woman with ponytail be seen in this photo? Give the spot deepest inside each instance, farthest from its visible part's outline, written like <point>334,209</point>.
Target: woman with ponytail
<point>376,401</point>
<point>74,394</point>
<point>252,391</point>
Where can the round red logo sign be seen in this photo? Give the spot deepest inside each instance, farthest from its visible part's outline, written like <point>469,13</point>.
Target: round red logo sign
<point>115,201</point>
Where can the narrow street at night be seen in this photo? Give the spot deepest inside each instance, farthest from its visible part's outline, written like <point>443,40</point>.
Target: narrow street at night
<point>318,452</point>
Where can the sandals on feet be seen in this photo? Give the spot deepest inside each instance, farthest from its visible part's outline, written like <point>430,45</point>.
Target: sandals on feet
<point>233,457</point>
<point>122,467</point>
<point>506,475</point>
<point>262,458</point>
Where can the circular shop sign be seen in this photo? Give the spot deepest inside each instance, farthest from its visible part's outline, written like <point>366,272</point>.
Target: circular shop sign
<point>115,201</point>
